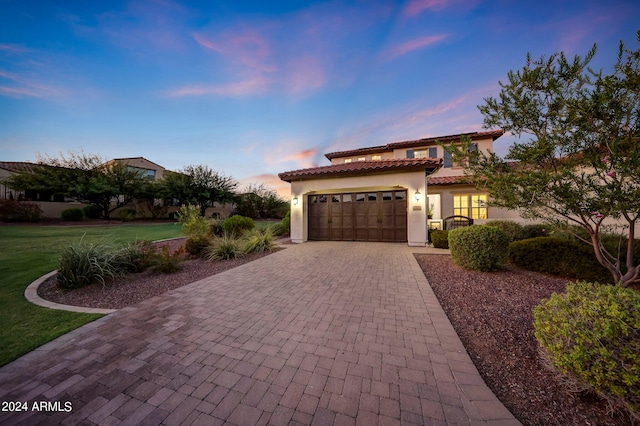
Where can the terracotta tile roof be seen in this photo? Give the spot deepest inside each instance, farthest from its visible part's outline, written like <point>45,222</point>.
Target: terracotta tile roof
<point>447,180</point>
<point>359,168</point>
<point>17,166</point>
<point>494,134</point>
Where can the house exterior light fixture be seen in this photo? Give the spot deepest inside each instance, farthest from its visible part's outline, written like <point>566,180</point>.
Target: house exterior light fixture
<point>295,201</point>
<point>418,195</point>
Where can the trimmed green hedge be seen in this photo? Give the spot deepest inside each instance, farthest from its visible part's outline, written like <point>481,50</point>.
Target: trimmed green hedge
<point>440,238</point>
<point>479,247</point>
<point>558,256</point>
<point>237,225</point>
<point>513,229</point>
<point>73,214</point>
<point>591,335</point>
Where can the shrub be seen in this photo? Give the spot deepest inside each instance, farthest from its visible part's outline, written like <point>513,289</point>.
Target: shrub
<point>512,229</point>
<point>286,223</point>
<point>167,262</point>
<point>237,224</point>
<point>127,215</point>
<point>439,238</point>
<point>92,211</point>
<point>558,256</point>
<point>591,335</point>
<point>534,230</point>
<point>224,248</point>
<point>259,242</point>
<point>193,224</point>
<point>216,228</point>
<point>276,229</point>
<point>479,247</point>
<point>82,264</point>
<point>72,214</point>
<point>136,257</point>
<point>19,211</point>
<point>196,246</point>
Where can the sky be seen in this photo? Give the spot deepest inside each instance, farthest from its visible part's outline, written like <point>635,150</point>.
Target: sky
<point>255,88</point>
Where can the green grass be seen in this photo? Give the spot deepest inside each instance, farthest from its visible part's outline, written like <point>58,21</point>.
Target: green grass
<point>28,252</point>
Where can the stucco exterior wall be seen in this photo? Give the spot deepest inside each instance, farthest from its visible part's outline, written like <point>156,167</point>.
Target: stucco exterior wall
<point>412,181</point>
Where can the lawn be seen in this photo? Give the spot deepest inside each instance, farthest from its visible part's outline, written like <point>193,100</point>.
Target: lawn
<point>28,252</point>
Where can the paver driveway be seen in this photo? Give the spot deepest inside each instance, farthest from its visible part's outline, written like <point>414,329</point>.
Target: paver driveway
<point>319,333</point>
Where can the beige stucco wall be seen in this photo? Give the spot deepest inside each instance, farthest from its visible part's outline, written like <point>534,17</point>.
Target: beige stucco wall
<point>416,219</point>
<point>143,163</point>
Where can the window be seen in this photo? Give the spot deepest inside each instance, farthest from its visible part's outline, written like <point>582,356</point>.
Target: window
<point>335,198</point>
<point>420,153</point>
<point>347,160</point>
<point>448,161</point>
<point>470,205</point>
<point>362,159</point>
<point>376,157</point>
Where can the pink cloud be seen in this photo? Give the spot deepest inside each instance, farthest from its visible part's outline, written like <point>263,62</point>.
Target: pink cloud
<point>21,86</point>
<point>305,74</point>
<point>303,158</point>
<point>454,115</point>
<point>252,86</point>
<point>415,7</point>
<point>247,48</point>
<point>283,189</point>
<point>411,45</point>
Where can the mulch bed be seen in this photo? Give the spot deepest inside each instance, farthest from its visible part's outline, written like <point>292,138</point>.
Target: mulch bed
<point>135,288</point>
<point>492,314</point>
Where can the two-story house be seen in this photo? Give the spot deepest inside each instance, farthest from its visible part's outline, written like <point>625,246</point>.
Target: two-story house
<point>392,192</point>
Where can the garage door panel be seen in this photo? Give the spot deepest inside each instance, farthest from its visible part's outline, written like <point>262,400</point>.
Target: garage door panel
<point>368,216</point>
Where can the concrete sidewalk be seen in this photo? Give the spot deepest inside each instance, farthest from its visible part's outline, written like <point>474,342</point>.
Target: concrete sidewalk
<point>319,333</point>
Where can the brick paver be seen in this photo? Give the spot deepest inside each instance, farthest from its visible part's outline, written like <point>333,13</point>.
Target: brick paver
<point>322,333</point>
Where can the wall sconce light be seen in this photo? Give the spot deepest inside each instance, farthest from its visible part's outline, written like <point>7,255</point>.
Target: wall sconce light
<point>295,201</point>
<point>418,195</point>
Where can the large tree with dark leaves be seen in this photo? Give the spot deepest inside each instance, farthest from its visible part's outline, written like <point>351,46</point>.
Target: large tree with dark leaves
<point>578,155</point>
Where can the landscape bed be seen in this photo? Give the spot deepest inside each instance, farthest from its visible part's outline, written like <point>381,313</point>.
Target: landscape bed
<point>492,314</point>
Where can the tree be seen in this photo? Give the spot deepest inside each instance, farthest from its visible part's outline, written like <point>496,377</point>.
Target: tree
<point>152,194</point>
<point>87,177</point>
<point>260,202</point>
<point>579,158</point>
<point>201,186</point>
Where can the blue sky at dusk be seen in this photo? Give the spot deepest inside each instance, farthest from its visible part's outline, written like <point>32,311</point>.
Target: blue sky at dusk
<point>252,89</point>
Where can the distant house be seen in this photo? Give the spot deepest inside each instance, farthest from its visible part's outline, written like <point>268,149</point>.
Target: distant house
<point>149,169</point>
<point>388,192</point>
<point>10,168</point>
<point>52,205</point>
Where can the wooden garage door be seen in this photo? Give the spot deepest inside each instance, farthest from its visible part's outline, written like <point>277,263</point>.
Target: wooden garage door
<point>361,216</point>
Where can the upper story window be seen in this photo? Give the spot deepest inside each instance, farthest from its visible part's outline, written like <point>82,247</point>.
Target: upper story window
<point>423,153</point>
<point>362,159</point>
<point>347,160</point>
<point>376,157</point>
<point>448,161</point>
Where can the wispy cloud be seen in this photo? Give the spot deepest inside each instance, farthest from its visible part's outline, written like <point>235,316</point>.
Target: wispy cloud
<point>297,55</point>
<point>303,158</point>
<point>20,86</point>
<point>416,7</point>
<point>455,115</point>
<point>411,45</point>
<point>252,86</point>
<point>13,48</point>
<point>272,181</point>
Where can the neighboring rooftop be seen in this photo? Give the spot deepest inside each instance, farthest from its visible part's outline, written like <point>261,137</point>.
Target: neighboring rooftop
<point>358,168</point>
<point>494,134</point>
<point>17,166</point>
